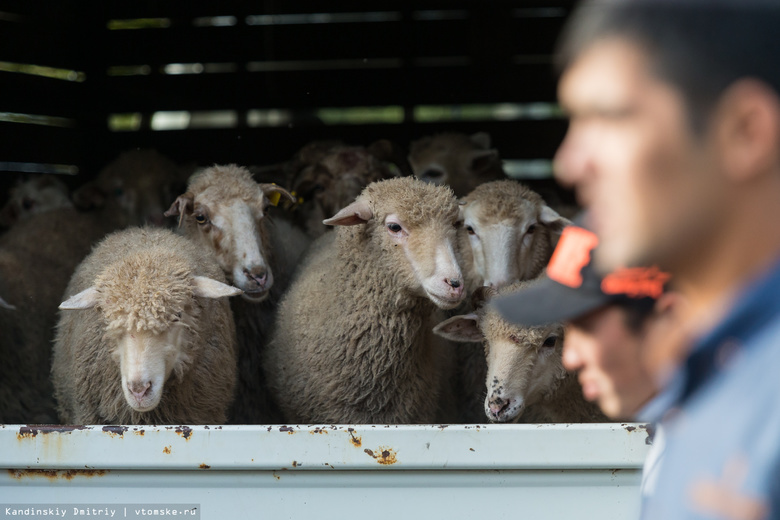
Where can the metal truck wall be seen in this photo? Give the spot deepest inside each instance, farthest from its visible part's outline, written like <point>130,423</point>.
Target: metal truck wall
<point>369,471</point>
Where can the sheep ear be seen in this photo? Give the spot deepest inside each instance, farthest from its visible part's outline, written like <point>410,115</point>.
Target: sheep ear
<point>481,139</point>
<point>209,288</point>
<point>181,206</point>
<point>462,329</point>
<point>5,305</point>
<point>86,299</point>
<point>358,212</point>
<point>273,193</point>
<point>550,218</point>
<point>482,159</point>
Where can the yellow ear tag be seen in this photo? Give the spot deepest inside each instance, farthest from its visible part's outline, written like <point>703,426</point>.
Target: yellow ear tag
<point>274,197</point>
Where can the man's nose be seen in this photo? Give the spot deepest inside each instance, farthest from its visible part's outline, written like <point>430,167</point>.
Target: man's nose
<point>571,358</point>
<point>571,161</point>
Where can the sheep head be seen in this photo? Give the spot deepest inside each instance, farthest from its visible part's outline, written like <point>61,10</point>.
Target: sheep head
<point>224,209</point>
<point>509,232</point>
<point>523,363</point>
<point>38,194</point>
<point>458,160</point>
<point>149,310</point>
<point>136,187</point>
<point>328,175</point>
<point>409,229</point>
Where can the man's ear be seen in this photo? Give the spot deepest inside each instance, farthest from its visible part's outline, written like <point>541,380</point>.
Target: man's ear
<point>748,129</point>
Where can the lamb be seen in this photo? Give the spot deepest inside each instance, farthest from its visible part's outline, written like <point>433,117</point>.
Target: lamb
<point>133,190</point>
<point>226,212</point>
<point>37,258</point>
<point>525,378</point>
<point>325,176</point>
<point>461,161</point>
<point>353,341</point>
<point>37,194</point>
<point>145,336</point>
<point>508,234</point>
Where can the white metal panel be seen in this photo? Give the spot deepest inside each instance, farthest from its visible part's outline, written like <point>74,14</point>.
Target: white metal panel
<point>456,471</point>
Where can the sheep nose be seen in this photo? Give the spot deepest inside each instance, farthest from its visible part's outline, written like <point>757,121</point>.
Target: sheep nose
<point>456,286</point>
<point>258,274</point>
<point>497,406</point>
<point>139,389</point>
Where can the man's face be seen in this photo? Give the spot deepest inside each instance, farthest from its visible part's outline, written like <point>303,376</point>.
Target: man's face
<point>607,355</point>
<point>644,177</point>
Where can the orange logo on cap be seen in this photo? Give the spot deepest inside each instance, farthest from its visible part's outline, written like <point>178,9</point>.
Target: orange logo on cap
<point>571,255</point>
<point>636,282</point>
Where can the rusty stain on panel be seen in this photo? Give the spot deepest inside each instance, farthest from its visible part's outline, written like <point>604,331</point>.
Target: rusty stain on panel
<point>319,430</point>
<point>356,441</point>
<point>32,430</point>
<point>295,464</point>
<point>115,430</point>
<point>385,455</point>
<point>184,431</point>
<point>287,429</point>
<point>277,477</point>
<point>205,466</point>
<point>167,450</point>
<point>54,474</point>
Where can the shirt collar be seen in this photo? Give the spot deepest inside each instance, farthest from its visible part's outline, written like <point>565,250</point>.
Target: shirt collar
<point>757,306</point>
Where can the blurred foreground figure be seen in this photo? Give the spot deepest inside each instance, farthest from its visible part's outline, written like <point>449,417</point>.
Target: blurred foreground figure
<point>673,149</point>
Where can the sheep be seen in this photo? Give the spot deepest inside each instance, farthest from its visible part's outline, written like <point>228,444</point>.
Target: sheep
<point>134,189</point>
<point>37,258</point>
<point>325,176</point>
<point>353,341</point>
<point>525,377</point>
<point>225,211</point>
<point>145,335</point>
<point>508,234</point>
<point>37,194</point>
<point>461,161</point>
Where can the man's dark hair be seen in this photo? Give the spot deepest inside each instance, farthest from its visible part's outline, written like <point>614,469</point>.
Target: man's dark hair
<point>636,312</point>
<point>700,47</point>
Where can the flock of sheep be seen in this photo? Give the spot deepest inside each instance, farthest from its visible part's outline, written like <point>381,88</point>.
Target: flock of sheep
<point>354,294</point>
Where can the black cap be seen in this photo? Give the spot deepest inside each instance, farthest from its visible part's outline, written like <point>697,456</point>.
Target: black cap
<point>571,287</point>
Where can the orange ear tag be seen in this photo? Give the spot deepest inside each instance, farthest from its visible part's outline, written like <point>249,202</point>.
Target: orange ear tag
<point>571,255</point>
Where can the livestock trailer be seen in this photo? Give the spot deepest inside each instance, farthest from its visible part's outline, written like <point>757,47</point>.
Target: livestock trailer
<point>250,82</point>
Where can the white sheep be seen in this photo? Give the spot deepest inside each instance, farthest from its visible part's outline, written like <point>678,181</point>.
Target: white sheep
<point>145,335</point>
<point>37,194</point>
<point>226,212</point>
<point>508,234</point>
<point>461,161</point>
<point>353,342</point>
<point>525,377</point>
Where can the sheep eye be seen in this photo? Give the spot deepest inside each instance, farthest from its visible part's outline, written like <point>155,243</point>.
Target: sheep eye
<point>432,174</point>
<point>550,341</point>
<point>531,229</point>
<point>470,230</point>
<point>394,228</point>
<point>200,219</point>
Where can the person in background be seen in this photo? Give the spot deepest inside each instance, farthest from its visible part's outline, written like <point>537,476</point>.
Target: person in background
<point>674,149</point>
<point>613,325</point>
